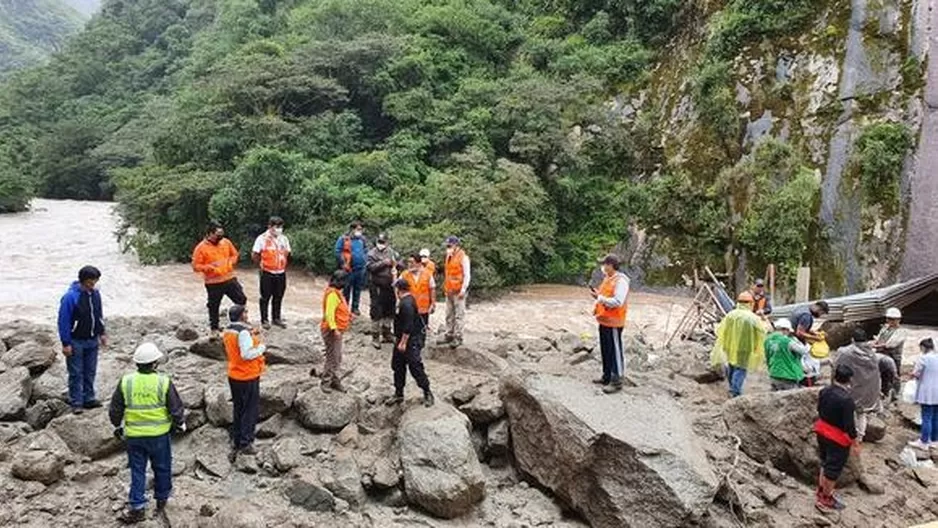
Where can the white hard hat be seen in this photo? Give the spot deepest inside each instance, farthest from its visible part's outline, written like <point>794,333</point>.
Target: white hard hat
<point>424,252</point>
<point>893,313</point>
<point>783,324</point>
<point>147,353</point>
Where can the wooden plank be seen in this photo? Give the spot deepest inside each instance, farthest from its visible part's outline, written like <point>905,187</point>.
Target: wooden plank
<point>803,285</point>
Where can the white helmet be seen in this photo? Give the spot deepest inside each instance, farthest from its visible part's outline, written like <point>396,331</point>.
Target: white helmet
<point>783,324</point>
<point>147,353</point>
<point>893,313</point>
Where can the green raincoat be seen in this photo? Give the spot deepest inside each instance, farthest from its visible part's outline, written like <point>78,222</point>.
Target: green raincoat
<point>740,338</point>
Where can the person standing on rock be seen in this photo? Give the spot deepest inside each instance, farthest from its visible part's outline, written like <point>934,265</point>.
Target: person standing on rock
<point>215,258</point>
<point>890,341</point>
<point>739,345</point>
<point>382,272</point>
<point>926,395</point>
<point>783,354</point>
<point>351,255</point>
<point>610,310</point>
<point>865,387</point>
<point>81,331</point>
<point>836,436</point>
<point>457,275</point>
<point>427,262</point>
<point>410,333</point>
<point>145,409</point>
<point>336,319</point>
<point>271,252</point>
<point>246,363</point>
<point>422,287</point>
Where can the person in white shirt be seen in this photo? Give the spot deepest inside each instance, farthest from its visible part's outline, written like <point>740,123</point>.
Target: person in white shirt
<point>271,252</point>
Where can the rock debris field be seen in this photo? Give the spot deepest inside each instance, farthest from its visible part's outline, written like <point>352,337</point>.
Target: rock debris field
<point>519,437</point>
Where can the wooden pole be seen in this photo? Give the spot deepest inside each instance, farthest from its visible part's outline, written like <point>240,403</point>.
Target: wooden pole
<point>771,276</point>
<point>803,286</point>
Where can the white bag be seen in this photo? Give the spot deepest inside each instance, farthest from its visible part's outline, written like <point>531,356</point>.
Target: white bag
<point>909,389</point>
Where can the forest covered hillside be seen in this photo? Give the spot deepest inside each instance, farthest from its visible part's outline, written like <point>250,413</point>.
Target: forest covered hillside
<point>32,29</point>
<point>681,133</point>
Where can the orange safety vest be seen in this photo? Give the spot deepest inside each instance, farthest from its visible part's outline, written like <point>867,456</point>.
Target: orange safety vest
<point>454,272</point>
<point>420,289</point>
<point>611,317</point>
<point>759,302</point>
<point>273,256</point>
<point>347,252</point>
<point>217,256</point>
<point>430,266</point>
<point>238,368</point>
<point>343,316</point>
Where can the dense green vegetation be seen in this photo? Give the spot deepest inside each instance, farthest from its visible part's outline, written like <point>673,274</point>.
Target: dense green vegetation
<point>31,29</point>
<point>878,161</point>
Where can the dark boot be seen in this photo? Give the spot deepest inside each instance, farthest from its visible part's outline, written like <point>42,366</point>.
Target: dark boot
<point>129,516</point>
<point>396,400</point>
<point>336,384</point>
<point>428,399</point>
<point>160,505</point>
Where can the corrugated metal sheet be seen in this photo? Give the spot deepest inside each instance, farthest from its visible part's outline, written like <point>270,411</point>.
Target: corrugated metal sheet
<point>871,305</point>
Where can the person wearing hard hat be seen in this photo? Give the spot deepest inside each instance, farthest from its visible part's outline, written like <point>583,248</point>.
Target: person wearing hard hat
<point>145,409</point>
<point>739,345</point>
<point>889,341</point>
<point>783,355</point>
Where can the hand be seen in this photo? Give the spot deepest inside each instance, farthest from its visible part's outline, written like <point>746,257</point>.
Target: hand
<point>461,296</point>
<point>388,262</point>
<point>433,308</point>
<point>103,340</point>
<point>760,313</point>
<point>401,347</point>
<point>593,293</point>
<point>181,428</point>
<point>67,350</point>
<point>119,433</point>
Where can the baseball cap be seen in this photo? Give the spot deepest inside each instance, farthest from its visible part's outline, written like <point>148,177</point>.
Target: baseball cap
<point>382,238</point>
<point>424,252</point>
<point>452,240</point>
<point>760,282</point>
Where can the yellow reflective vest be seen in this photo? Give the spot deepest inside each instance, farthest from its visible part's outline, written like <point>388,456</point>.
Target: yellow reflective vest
<point>145,411</point>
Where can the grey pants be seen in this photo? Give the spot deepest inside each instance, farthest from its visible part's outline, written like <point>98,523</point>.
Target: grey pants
<point>333,344</point>
<point>455,315</point>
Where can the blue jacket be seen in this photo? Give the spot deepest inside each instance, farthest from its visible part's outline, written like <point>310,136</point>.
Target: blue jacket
<point>80,315</point>
<point>359,252</point>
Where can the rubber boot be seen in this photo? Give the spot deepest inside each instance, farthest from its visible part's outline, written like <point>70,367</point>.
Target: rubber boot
<point>376,334</point>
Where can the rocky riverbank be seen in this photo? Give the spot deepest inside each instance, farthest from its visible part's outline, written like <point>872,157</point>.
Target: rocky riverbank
<point>518,438</point>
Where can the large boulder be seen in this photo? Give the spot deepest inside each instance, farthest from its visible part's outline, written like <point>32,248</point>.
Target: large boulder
<point>38,466</point>
<point>209,347</point>
<point>90,434</point>
<point>18,332</point>
<point>484,409</point>
<point>37,357</point>
<point>288,347</point>
<point>345,481</point>
<point>15,390</point>
<point>441,471</point>
<point>778,427</point>
<point>277,396</point>
<point>321,412</point>
<point>625,460</point>
<point>52,384</point>
<point>218,407</point>
<point>42,412</point>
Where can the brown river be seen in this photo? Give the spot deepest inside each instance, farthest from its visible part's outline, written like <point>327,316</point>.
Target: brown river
<point>45,247</point>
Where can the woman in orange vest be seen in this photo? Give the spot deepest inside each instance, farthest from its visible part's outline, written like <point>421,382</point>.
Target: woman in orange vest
<point>215,258</point>
<point>271,252</point>
<point>610,309</point>
<point>246,363</point>
<point>336,318</point>
<point>422,287</point>
<point>456,285</point>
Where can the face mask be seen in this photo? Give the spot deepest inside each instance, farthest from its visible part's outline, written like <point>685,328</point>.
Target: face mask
<point>424,259</point>
<point>382,247</point>
<point>278,231</point>
<point>357,234</point>
<point>450,251</point>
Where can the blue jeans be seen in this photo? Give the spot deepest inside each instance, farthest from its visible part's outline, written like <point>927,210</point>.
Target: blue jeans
<point>736,377</point>
<point>82,367</point>
<point>929,423</point>
<point>157,451</point>
<point>353,287</point>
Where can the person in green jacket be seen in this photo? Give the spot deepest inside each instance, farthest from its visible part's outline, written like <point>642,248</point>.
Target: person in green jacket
<point>783,353</point>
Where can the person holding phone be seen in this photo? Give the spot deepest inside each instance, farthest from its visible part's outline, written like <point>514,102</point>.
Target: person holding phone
<point>610,309</point>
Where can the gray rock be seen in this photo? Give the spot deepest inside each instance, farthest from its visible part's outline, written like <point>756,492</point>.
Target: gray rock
<point>44,411</point>
<point>497,441</point>
<point>38,466</point>
<point>187,332</point>
<point>627,460</point>
<point>571,343</point>
<point>290,348</point>
<point>309,495</point>
<point>36,357</point>
<point>484,409</point>
<point>394,498</point>
<point>233,514</point>
<point>15,389</point>
<point>441,471</point>
<point>277,396</point>
<point>287,453</point>
<point>194,419</point>
<point>345,481</point>
<point>18,332</point>
<point>469,358</point>
<point>464,394</point>
<point>52,384</point>
<point>209,347</point>
<point>90,434</point>
<point>218,406</point>
<point>192,393</point>
<point>477,437</point>
<point>47,441</point>
<point>875,429</point>
<point>210,446</point>
<point>384,475</point>
<point>319,411</point>
<point>11,432</point>
<point>270,427</point>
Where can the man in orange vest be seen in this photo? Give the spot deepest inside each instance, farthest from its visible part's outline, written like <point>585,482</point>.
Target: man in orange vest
<point>336,319</point>
<point>610,309</point>
<point>246,363</point>
<point>456,285</point>
<point>427,263</point>
<point>761,303</point>
<point>422,287</point>
<point>215,258</point>
<point>271,251</point>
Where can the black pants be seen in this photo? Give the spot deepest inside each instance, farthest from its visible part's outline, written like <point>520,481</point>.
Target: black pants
<point>409,358</point>
<point>833,457</point>
<point>610,345</point>
<point>383,301</point>
<point>273,286</point>
<point>246,398</point>
<point>231,289</point>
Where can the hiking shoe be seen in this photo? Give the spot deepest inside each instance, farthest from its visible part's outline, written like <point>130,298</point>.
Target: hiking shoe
<point>93,404</point>
<point>444,340</point>
<point>280,323</point>
<point>376,342</point>
<point>356,312</point>
<point>395,400</point>
<point>918,444</point>
<point>612,388</point>
<point>336,384</point>
<point>428,399</point>
<point>161,505</point>
<point>249,450</point>
<point>456,342</point>
<point>129,516</point>
<point>326,386</point>
<point>265,325</point>
<point>77,410</point>
<point>601,381</point>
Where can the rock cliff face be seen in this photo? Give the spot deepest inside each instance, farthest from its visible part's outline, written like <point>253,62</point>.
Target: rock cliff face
<point>856,65</point>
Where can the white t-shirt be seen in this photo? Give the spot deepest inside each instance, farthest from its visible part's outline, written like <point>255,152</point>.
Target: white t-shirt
<point>283,243</point>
